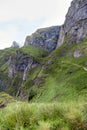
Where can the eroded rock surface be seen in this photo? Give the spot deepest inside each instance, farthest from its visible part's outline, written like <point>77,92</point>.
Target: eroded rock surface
<point>74,29</point>
<point>45,38</point>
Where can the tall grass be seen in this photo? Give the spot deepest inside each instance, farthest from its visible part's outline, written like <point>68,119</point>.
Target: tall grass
<point>62,116</point>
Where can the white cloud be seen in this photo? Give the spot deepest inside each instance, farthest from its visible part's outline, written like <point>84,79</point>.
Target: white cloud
<point>33,9</point>
<point>51,12</point>
<point>7,36</point>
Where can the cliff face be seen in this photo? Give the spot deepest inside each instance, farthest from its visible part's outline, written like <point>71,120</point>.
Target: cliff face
<point>45,38</point>
<point>74,29</point>
<point>16,65</point>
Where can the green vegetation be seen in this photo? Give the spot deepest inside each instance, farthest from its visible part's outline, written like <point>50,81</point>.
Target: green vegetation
<point>65,78</point>
<point>4,55</point>
<point>56,116</point>
<point>5,99</point>
<point>37,53</point>
<point>56,91</point>
<point>14,84</point>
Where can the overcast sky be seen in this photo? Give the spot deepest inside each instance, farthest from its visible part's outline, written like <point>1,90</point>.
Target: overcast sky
<point>19,18</point>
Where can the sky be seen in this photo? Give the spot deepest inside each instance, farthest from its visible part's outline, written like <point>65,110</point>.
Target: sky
<point>19,18</point>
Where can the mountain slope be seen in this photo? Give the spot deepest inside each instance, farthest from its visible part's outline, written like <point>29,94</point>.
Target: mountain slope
<point>56,92</point>
<point>15,64</point>
<point>63,77</point>
<point>50,85</point>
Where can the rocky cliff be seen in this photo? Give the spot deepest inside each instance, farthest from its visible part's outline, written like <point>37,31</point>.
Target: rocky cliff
<point>45,38</point>
<point>17,66</point>
<point>74,29</point>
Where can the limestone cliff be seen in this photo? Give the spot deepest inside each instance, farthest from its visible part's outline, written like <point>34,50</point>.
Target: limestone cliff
<point>74,29</point>
<point>45,38</point>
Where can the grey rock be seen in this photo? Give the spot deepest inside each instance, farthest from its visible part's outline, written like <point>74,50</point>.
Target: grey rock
<point>45,38</point>
<point>61,37</point>
<point>15,44</point>
<point>27,69</point>
<point>11,67</point>
<point>50,62</point>
<point>21,63</point>
<point>34,65</point>
<point>74,29</point>
<point>77,53</point>
<point>43,67</point>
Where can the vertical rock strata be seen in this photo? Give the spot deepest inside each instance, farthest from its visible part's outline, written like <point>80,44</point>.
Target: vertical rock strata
<point>74,29</point>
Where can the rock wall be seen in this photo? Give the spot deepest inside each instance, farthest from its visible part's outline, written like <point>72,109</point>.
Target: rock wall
<point>74,29</point>
<point>45,38</point>
<point>21,63</point>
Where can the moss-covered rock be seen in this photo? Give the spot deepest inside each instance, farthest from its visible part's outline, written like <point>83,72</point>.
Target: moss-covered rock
<point>17,65</point>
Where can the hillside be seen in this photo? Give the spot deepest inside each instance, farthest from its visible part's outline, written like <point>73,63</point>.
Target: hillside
<point>56,91</point>
<point>63,76</point>
<point>43,85</point>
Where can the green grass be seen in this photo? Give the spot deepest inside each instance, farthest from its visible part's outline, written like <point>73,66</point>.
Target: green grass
<point>65,79</point>
<point>57,94</point>
<point>36,53</point>
<point>56,116</point>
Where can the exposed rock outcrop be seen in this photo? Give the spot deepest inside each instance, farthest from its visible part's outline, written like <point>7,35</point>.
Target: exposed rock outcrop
<point>77,53</point>
<point>74,29</point>
<point>15,44</point>
<point>45,38</point>
<point>11,67</point>
<point>20,63</point>
<point>27,69</point>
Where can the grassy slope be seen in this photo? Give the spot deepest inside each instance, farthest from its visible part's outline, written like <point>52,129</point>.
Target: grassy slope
<point>65,79</point>
<point>63,93</point>
<point>37,53</point>
<point>61,116</point>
